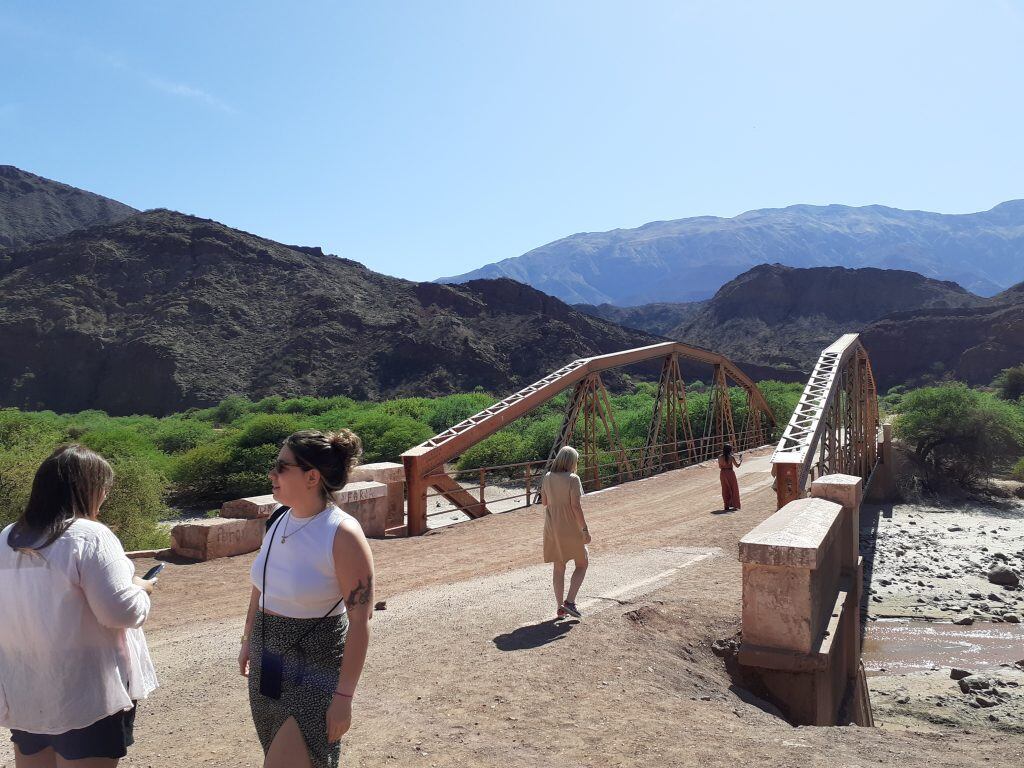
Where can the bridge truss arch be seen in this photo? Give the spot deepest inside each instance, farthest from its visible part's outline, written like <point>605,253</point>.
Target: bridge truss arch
<point>672,441</point>
<point>834,428</point>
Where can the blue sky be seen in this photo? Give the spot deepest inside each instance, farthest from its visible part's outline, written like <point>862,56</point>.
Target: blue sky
<point>429,138</point>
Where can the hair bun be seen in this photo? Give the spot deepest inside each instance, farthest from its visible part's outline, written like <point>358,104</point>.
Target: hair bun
<point>345,440</point>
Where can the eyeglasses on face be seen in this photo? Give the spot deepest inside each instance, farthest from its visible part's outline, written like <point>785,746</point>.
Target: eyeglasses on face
<point>280,466</point>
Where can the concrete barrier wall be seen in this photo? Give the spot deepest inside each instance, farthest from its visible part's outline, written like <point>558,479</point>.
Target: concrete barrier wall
<point>802,581</point>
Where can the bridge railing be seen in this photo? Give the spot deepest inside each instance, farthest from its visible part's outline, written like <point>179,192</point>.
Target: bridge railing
<point>834,428</point>
<point>522,481</point>
<point>590,419</point>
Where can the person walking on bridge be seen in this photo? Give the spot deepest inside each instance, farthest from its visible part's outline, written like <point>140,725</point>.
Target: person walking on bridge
<point>565,529</point>
<point>730,486</point>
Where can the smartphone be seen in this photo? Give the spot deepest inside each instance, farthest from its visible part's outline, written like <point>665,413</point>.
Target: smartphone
<point>152,572</point>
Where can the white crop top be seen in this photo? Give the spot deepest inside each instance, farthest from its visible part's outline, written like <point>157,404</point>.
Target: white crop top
<point>301,581</point>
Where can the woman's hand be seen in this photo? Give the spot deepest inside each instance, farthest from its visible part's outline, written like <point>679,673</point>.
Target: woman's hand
<point>243,659</point>
<point>145,584</point>
<point>339,718</point>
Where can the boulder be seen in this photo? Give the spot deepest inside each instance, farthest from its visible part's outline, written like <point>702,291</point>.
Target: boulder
<point>1001,574</point>
<point>217,537</point>
<point>249,508</point>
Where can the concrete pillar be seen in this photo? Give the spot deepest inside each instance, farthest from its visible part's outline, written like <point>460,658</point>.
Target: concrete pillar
<point>847,491</point>
<point>393,476</point>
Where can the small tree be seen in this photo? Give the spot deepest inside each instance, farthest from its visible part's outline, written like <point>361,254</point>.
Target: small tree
<point>1009,384</point>
<point>958,432</point>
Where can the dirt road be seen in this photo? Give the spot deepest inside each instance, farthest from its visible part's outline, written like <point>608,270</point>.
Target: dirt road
<point>465,668</point>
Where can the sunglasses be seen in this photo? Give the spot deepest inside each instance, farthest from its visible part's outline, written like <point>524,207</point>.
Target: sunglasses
<point>280,466</point>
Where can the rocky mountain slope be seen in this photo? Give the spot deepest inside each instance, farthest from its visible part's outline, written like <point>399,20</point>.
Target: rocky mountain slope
<point>163,311</point>
<point>973,344</point>
<point>660,319</point>
<point>782,316</point>
<point>689,259</point>
<point>33,208</point>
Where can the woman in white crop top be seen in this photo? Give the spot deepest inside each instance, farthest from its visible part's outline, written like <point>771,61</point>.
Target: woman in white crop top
<point>307,629</point>
<point>73,659</point>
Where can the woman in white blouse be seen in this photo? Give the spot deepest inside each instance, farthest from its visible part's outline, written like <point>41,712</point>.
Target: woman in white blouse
<point>73,659</point>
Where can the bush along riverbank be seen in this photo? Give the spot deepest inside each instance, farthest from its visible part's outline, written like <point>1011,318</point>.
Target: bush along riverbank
<point>201,458</point>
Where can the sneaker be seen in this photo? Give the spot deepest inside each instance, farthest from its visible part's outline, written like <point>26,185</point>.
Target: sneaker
<point>561,613</point>
<point>572,610</point>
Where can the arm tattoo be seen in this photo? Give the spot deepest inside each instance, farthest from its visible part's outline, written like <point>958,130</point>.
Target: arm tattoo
<point>361,594</point>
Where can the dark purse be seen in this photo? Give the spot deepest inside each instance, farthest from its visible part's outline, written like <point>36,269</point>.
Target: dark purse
<point>272,662</point>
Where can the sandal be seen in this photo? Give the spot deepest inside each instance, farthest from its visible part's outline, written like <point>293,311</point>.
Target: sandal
<point>572,610</point>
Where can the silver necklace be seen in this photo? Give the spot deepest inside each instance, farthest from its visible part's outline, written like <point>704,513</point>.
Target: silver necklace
<point>285,534</point>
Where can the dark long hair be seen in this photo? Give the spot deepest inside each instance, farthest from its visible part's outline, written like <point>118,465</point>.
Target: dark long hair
<point>727,451</point>
<point>69,484</point>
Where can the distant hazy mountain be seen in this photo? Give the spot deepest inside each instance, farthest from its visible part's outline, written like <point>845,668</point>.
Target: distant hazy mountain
<point>163,311</point>
<point>33,208</point>
<point>689,259</point>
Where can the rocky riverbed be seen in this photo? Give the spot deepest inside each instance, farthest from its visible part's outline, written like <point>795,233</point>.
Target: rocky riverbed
<point>944,646</point>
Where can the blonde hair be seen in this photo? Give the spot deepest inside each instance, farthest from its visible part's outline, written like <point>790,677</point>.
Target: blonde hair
<point>566,459</point>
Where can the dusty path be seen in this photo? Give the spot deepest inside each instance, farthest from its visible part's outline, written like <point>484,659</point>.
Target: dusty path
<point>464,670</point>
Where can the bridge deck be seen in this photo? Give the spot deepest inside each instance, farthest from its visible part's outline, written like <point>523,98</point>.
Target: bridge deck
<point>464,671</point>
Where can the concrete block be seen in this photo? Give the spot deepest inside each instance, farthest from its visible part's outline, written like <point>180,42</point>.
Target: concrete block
<point>217,537</point>
<point>796,536</point>
<point>380,472</point>
<point>392,475</point>
<point>249,508</point>
<point>367,502</point>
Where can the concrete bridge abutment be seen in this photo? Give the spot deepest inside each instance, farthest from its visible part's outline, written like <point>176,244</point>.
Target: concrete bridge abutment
<point>802,581</point>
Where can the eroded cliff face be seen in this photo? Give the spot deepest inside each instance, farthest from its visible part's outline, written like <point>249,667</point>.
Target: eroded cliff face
<point>972,344</point>
<point>164,311</point>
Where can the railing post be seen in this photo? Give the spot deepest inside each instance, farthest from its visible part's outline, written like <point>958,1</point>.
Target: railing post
<point>527,484</point>
<point>483,480</point>
<point>416,487</point>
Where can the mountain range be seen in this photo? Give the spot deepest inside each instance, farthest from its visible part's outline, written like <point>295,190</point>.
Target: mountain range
<point>163,311</point>
<point>689,259</point>
<point>102,306</point>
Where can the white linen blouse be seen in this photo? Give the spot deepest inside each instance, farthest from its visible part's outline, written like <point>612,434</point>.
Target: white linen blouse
<point>71,645</point>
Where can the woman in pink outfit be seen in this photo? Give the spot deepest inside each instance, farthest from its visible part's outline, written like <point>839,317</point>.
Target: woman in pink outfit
<point>730,486</point>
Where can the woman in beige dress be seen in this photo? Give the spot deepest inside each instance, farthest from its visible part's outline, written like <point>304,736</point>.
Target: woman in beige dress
<point>565,529</point>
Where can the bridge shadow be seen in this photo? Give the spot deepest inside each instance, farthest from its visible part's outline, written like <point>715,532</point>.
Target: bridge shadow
<point>870,515</point>
<point>534,635</point>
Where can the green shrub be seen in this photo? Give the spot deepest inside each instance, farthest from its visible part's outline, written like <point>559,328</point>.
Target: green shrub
<point>230,409</point>
<point>385,436</point>
<point>135,504</point>
<point>960,433</point>
<point>1010,383</point>
<point>180,435</point>
<point>452,409</point>
<point>1018,471</point>
<point>503,447</point>
<point>267,429</point>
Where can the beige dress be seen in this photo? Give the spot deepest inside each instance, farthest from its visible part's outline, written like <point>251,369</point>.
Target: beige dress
<point>563,539</point>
